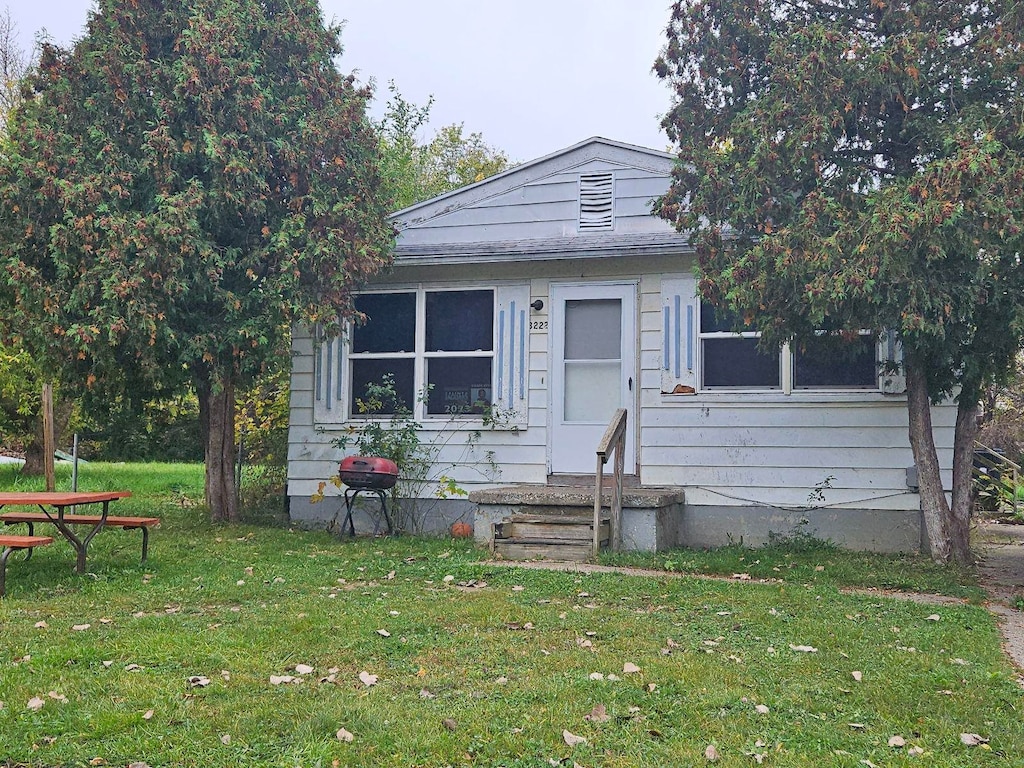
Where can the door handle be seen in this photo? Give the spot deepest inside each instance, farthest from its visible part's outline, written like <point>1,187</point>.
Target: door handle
<point>630,383</point>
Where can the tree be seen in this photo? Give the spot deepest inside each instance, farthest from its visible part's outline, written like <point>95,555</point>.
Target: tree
<point>847,164</point>
<point>14,65</point>
<point>417,171</point>
<point>189,180</point>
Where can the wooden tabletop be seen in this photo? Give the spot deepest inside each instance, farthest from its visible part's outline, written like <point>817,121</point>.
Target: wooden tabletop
<point>60,498</point>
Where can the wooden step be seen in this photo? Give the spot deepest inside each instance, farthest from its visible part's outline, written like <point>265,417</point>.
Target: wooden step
<point>531,536</point>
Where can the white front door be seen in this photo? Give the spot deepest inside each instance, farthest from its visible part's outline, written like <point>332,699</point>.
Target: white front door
<point>593,371</point>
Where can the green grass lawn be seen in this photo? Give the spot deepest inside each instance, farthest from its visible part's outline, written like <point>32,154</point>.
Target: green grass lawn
<point>475,664</point>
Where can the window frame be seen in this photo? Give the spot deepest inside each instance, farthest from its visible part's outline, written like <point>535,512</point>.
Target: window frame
<point>421,357</point>
<point>786,361</point>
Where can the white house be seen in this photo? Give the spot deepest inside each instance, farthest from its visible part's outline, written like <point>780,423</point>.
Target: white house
<point>552,292</point>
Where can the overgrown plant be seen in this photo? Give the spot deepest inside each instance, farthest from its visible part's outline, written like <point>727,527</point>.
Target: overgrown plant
<point>388,428</point>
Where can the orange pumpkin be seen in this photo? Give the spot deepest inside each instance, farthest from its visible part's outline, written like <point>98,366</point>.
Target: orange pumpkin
<point>462,530</point>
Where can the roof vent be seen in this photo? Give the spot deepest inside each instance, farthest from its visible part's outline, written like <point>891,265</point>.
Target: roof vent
<point>595,201</point>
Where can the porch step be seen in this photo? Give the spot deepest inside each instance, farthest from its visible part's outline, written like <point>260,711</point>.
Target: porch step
<point>548,536</point>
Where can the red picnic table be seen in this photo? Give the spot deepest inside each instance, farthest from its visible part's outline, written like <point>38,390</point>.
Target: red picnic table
<point>54,508</point>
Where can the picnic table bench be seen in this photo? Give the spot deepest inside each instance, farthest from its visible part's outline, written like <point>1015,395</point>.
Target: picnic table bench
<point>12,544</point>
<point>53,509</point>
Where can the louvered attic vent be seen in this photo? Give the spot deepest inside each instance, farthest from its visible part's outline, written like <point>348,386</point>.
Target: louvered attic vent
<point>595,201</point>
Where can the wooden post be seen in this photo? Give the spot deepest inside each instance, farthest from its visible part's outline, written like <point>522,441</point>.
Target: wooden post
<point>48,437</point>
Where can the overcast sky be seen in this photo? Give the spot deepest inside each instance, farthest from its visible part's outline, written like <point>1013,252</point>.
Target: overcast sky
<point>533,76</point>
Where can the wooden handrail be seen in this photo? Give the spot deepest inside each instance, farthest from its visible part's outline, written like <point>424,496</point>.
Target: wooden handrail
<point>612,443</point>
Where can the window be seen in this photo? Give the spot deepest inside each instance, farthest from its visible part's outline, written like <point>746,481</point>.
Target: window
<point>438,341</point>
<point>733,360</point>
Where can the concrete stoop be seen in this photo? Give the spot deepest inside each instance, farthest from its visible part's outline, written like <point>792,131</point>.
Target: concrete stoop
<point>526,522</point>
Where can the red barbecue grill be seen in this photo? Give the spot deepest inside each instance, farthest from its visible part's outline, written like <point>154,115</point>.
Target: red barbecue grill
<point>367,474</point>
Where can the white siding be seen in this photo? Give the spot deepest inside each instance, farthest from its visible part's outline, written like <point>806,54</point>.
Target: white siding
<point>726,449</point>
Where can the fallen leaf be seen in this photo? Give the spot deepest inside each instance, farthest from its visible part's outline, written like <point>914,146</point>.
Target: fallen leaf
<point>598,714</point>
<point>972,739</point>
<point>344,735</point>
<point>97,761</point>
<point>518,587</point>
<point>803,648</point>
<point>450,724</point>
<point>819,568</point>
<point>761,709</point>
<point>41,625</point>
<point>741,577</point>
<point>629,668</point>
<point>448,579</point>
<point>857,726</point>
<point>572,739</point>
<point>304,669</point>
<point>897,741</point>
<point>501,680</point>
<point>383,633</point>
<point>107,664</point>
<point>868,763</point>
<point>138,765</point>
<point>80,627</point>
<point>198,681</point>
<point>652,687</point>
<point>225,738</point>
<point>367,679</point>
<point>390,576</point>
<point>225,674</point>
<point>857,675</point>
<point>35,703</point>
<point>915,751</point>
<point>58,697</point>
<point>280,679</point>
<point>711,754</point>
<point>148,714</point>
<point>425,694</point>
<point>933,617</point>
<point>596,676</point>
<point>132,668</point>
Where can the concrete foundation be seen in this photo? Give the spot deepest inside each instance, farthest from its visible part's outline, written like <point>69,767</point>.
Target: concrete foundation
<point>431,517</point>
<point>653,519</point>
<point>856,529</point>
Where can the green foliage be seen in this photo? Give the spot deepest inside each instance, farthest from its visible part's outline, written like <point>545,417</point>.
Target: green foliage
<point>451,159</point>
<point>19,395</point>
<point>850,165</point>
<point>187,182</point>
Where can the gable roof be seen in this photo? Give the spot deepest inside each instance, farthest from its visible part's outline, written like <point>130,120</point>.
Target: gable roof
<point>531,211</point>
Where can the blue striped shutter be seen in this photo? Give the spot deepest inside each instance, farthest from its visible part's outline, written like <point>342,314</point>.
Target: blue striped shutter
<point>512,352</point>
<point>679,318</point>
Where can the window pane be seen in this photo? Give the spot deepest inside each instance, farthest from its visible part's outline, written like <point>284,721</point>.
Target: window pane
<point>718,320</point>
<point>738,362</point>
<point>460,321</point>
<point>592,391</point>
<point>391,323</point>
<point>593,329</point>
<point>458,384</point>
<point>834,362</point>
<point>371,372</point>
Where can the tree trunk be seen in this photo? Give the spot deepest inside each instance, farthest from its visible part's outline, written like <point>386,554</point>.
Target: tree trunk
<point>963,480</point>
<point>217,418</point>
<point>935,512</point>
<point>35,453</point>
